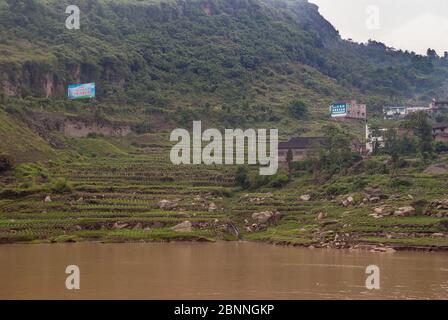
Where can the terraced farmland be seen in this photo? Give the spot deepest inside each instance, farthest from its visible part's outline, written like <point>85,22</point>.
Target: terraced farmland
<point>332,223</point>
<point>124,198</point>
<point>138,195</point>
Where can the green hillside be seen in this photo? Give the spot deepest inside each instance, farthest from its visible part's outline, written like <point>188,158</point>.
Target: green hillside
<point>229,63</point>
<point>17,139</point>
<point>183,54</point>
<point>160,65</point>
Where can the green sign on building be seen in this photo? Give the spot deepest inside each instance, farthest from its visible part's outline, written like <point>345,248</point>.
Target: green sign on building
<point>338,110</point>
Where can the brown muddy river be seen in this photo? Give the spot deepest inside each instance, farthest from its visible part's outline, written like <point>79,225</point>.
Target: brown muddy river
<point>234,270</point>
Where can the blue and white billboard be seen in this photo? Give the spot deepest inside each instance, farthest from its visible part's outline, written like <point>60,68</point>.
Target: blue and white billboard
<point>338,110</point>
<point>81,91</point>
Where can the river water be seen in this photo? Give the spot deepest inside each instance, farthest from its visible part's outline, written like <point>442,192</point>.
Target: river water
<point>224,270</point>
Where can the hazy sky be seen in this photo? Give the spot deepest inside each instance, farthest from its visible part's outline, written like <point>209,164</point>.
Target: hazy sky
<point>415,25</point>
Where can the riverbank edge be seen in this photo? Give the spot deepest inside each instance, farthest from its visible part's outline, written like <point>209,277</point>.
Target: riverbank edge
<point>364,246</point>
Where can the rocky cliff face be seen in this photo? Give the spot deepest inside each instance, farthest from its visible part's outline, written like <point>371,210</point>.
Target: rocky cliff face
<point>31,78</point>
<point>45,125</point>
<point>46,80</point>
<point>80,129</point>
<point>99,53</point>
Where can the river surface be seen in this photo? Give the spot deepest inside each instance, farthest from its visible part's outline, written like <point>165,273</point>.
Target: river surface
<point>225,270</point>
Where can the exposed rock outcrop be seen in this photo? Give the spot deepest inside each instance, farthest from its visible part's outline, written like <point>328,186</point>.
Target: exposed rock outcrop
<point>212,207</point>
<point>373,195</point>
<point>118,225</point>
<point>185,226</point>
<point>167,204</point>
<point>265,217</point>
<point>440,168</point>
<point>382,211</point>
<point>437,208</point>
<point>305,197</point>
<point>81,129</point>
<point>405,211</point>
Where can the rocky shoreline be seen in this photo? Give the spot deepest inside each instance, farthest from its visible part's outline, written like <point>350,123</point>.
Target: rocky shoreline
<point>372,248</point>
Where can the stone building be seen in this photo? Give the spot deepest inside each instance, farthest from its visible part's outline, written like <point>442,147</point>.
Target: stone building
<point>440,132</point>
<point>439,104</point>
<point>302,148</point>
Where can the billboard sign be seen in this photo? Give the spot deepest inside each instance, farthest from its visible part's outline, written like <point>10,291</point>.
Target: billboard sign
<point>81,91</point>
<point>338,110</point>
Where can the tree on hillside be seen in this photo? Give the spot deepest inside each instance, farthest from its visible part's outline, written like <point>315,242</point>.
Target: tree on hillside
<point>431,53</point>
<point>2,98</point>
<point>408,146</point>
<point>6,163</point>
<point>390,140</point>
<point>419,123</point>
<point>299,109</point>
<point>335,152</point>
<point>242,176</point>
<point>289,159</point>
<point>376,134</point>
<point>392,148</point>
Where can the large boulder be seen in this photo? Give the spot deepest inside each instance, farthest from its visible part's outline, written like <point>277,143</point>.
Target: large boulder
<point>405,211</point>
<point>379,249</point>
<point>437,208</point>
<point>373,195</point>
<point>118,225</point>
<point>348,201</point>
<point>167,204</point>
<point>138,226</point>
<point>305,197</point>
<point>438,235</point>
<point>440,168</point>
<point>373,192</point>
<point>321,216</point>
<point>383,210</point>
<point>379,210</point>
<point>265,216</point>
<point>212,207</point>
<point>185,226</point>
<point>374,248</point>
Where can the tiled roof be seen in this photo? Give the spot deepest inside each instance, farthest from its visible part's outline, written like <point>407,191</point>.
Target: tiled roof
<point>301,143</point>
<point>440,126</point>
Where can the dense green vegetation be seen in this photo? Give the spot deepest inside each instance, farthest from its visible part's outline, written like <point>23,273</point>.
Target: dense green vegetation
<point>229,63</point>
<point>6,163</point>
<point>187,54</point>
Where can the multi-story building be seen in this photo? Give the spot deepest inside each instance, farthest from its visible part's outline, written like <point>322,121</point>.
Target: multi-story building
<point>439,104</point>
<point>348,109</point>
<point>374,139</point>
<point>428,110</point>
<point>395,112</point>
<point>401,112</point>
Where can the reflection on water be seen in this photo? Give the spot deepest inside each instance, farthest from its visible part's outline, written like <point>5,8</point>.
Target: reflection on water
<point>234,270</point>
